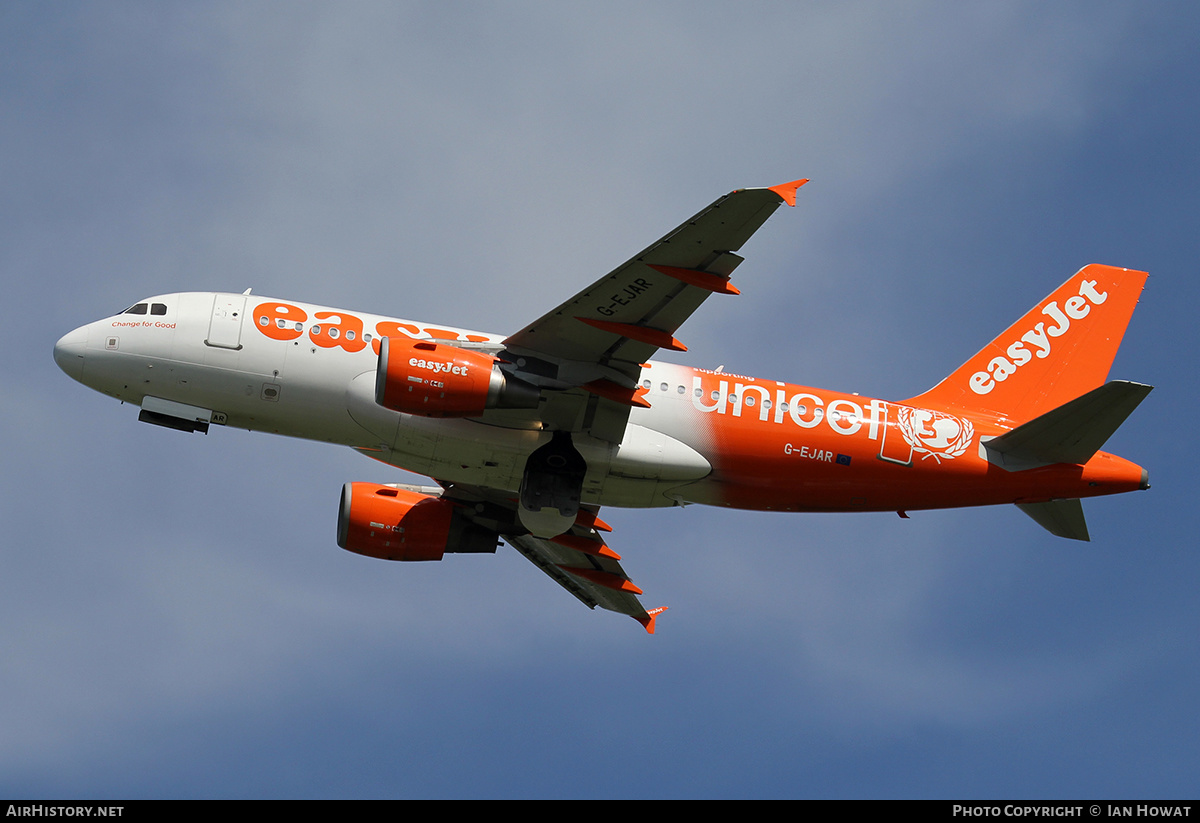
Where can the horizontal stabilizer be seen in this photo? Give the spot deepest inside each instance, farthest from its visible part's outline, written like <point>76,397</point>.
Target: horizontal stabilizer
<point>1062,518</point>
<point>1072,433</point>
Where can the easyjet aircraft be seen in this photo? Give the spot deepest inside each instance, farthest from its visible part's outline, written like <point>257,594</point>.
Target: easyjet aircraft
<point>528,434</point>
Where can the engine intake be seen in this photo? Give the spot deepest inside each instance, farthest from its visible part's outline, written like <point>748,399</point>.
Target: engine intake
<point>397,524</point>
<point>437,380</point>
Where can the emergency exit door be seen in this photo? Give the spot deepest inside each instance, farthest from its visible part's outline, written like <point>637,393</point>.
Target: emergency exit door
<point>225,327</point>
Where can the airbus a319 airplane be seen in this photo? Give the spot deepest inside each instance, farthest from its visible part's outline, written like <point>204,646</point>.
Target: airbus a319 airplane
<point>527,435</point>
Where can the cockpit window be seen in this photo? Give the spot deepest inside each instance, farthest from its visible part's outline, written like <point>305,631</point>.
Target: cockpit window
<point>142,308</point>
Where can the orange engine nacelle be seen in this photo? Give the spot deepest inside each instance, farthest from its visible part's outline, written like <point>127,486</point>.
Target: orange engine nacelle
<point>397,524</point>
<point>436,380</point>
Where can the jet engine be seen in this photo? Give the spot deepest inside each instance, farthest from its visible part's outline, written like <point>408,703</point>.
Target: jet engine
<point>397,524</point>
<point>437,380</point>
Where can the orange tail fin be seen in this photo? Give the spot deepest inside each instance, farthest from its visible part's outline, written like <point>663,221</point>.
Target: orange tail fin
<point>1061,349</point>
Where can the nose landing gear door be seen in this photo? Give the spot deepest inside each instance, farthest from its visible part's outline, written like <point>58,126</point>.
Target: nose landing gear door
<point>225,327</point>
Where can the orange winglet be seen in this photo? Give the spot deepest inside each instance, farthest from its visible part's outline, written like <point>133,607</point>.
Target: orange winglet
<point>605,579</point>
<point>642,334</point>
<point>585,545</point>
<point>616,392</point>
<point>649,617</point>
<point>701,279</point>
<point>788,190</point>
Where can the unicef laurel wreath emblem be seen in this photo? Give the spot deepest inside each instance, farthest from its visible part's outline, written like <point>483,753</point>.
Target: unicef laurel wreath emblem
<point>935,434</point>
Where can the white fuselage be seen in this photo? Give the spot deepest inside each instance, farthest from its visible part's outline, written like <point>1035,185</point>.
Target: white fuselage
<point>207,351</point>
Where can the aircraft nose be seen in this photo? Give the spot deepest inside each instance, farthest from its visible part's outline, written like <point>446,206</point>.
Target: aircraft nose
<point>69,351</point>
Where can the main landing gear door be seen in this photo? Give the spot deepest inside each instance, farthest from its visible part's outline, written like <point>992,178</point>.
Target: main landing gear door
<point>225,327</point>
<point>551,487</point>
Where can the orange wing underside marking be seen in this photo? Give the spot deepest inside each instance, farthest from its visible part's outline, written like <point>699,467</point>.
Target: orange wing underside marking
<point>603,578</point>
<point>586,545</point>
<point>714,283</point>
<point>642,334</point>
<point>617,393</point>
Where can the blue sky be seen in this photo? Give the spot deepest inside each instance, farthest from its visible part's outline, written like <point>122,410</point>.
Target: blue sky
<point>177,618</point>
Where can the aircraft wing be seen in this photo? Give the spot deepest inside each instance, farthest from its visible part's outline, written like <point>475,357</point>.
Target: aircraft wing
<point>597,340</point>
<point>595,580</point>
<point>634,310</point>
<point>578,560</point>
